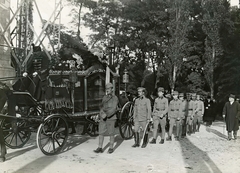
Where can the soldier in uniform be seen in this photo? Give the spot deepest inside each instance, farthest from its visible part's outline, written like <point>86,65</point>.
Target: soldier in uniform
<point>183,115</point>
<point>160,110</point>
<point>108,117</point>
<point>190,114</point>
<point>174,115</point>
<point>198,114</point>
<point>195,106</point>
<point>141,115</point>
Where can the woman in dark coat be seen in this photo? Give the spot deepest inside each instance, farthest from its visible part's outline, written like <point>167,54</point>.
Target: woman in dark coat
<point>231,113</point>
<point>209,113</point>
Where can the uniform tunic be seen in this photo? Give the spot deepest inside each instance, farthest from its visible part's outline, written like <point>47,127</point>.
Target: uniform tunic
<point>160,107</point>
<point>190,108</point>
<point>174,109</point>
<point>109,106</point>
<point>183,109</point>
<point>160,110</point>
<point>142,112</point>
<point>200,108</point>
<point>232,113</point>
<point>142,109</point>
<point>174,116</point>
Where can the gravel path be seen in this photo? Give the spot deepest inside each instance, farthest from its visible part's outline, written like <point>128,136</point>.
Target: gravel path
<point>203,152</point>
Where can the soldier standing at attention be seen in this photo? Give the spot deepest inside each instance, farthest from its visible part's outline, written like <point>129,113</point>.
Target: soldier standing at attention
<point>190,115</point>
<point>141,115</point>
<point>199,113</point>
<point>109,108</point>
<point>160,110</point>
<point>195,107</point>
<point>174,115</point>
<point>183,115</point>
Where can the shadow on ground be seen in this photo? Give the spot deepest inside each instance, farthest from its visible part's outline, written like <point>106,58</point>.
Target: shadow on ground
<point>41,163</point>
<point>196,160</point>
<point>20,152</point>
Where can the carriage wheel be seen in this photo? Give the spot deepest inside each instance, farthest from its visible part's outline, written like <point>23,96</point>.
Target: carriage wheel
<point>16,132</point>
<point>126,121</point>
<point>92,129</point>
<point>52,134</point>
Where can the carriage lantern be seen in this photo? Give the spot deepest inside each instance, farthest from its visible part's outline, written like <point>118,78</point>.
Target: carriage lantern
<point>125,79</point>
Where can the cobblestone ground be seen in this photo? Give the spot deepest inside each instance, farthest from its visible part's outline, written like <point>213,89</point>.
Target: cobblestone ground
<point>203,152</point>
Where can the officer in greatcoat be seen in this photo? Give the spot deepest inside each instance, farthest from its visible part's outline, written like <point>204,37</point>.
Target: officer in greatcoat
<point>231,113</point>
<point>160,110</point>
<point>141,115</point>
<point>174,116</point>
<point>108,110</point>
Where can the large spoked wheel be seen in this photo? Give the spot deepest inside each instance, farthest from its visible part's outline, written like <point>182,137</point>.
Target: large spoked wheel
<point>126,121</point>
<point>16,132</point>
<point>52,134</point>
<point>92,129</point>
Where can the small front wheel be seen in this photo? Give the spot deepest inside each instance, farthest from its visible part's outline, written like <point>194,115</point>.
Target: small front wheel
<point>52,134</point>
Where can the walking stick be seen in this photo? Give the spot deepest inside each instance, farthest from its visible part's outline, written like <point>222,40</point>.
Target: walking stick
<point>224,126</point>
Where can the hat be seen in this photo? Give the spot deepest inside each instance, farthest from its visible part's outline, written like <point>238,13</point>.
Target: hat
<point>175,93</point>
<point>141,89</point>
<point>194,94</point>
<point>109,85</point>
<point>160,89</point>
<point>232,96</point>
<point>181,95</point>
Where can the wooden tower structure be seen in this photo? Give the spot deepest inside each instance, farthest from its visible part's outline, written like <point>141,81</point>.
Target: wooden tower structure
<point>19,34</point>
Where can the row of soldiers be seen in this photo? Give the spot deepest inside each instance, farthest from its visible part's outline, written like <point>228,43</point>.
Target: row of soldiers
<point>185,114</point>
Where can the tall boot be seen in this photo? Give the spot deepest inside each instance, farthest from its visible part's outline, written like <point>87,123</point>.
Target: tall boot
<point>145,141</point>
<point>235,135</point>
<point>136,138</point>
<point>229,136</point>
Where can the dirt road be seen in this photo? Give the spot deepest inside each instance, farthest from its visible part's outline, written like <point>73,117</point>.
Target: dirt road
<point>203,152</point>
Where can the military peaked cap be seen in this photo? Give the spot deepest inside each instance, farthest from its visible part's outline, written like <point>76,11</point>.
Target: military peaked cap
<point>175,93</point>
<point>160,89</point>
<point>181,95</point>
<point>109,85</point>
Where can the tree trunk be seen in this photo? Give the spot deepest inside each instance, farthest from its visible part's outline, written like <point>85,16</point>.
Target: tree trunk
<point>79,22</point>
<point>174,78</point>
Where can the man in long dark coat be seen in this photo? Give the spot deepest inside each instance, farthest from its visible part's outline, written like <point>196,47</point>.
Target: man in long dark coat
<point>231,113</point>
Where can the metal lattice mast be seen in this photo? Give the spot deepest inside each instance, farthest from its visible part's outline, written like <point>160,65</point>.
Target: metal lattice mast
<point>21,37</point>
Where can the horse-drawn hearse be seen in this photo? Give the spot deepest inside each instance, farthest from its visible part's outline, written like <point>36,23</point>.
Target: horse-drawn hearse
<point>48,101</point>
